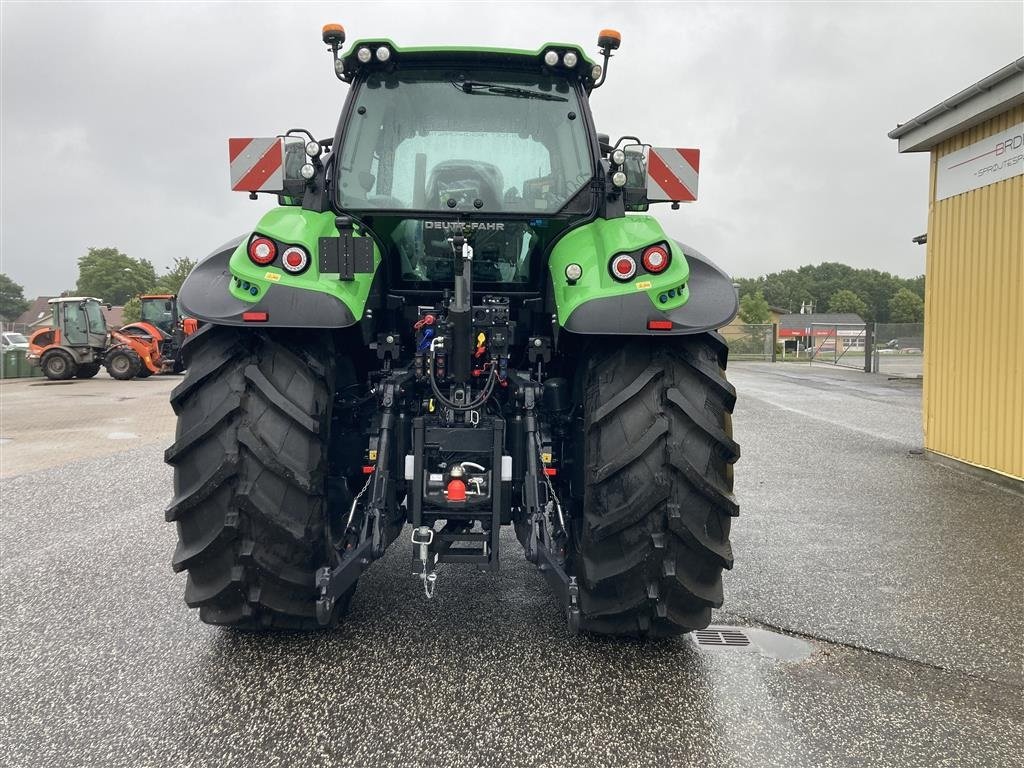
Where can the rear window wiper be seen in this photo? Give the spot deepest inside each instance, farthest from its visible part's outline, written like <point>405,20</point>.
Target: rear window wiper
<point>475,86</point>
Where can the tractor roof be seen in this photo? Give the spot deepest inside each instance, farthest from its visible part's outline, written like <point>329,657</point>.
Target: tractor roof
<point>63,299</point>
<point>466,56</point>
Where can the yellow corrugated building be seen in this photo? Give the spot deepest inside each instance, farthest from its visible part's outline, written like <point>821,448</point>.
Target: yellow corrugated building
<point>974,274</point>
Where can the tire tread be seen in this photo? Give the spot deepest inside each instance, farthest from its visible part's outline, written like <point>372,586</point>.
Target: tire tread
<point>250,460</point>
<point>658,500</point>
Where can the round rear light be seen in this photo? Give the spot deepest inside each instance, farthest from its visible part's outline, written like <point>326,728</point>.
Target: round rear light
<point>294,260</point>
<point>623,267</point>
<point>262,251</point>
<point>656,259</point>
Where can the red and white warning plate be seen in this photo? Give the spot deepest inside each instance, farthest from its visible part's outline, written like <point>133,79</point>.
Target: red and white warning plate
<point>672,174</point>
<point>257,165</point>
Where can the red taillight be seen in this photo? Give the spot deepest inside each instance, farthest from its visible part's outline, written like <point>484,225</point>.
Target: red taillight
<point>623,267</point>
<point>262,251</point>
<point>255,317</point>
<point>294,260</point>
<point>550,471</point>
<point>659,325</point>
<point>656,259</point>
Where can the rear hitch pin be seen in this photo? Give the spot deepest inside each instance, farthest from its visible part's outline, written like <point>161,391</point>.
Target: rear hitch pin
<point>424,537</point>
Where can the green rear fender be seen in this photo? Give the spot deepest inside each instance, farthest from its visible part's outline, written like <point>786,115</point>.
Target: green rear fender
<point>692,294</point>
<point>227,288</point>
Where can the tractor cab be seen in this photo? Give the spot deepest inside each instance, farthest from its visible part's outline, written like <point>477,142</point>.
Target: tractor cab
<point>160,311</point>
<point>74,343</point>
<point>499,146</point>
<point>80,322</point>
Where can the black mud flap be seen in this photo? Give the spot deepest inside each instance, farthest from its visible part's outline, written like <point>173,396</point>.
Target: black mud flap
<point>712,304</point>
<point>205,295</point>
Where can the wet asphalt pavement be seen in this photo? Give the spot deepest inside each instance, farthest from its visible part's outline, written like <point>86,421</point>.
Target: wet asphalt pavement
<point>903,582</point>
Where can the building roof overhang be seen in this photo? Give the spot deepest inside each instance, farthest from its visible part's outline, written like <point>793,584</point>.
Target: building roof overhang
<point>999,92</point>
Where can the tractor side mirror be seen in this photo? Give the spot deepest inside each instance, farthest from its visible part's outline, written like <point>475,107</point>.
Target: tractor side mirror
<point>273,165</point>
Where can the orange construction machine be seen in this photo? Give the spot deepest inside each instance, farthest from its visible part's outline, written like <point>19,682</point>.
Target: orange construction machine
<point>78,343</point>
<point>160,320</point>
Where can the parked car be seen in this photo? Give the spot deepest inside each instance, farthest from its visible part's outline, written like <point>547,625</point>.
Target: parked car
<point>9,340</point>
<point>824,348</point>
<point>906,346</point>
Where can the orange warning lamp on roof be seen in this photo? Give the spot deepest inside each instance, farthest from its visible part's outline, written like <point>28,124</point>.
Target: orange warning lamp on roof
<point>334,34</point>
<point>608,40</point>
<point>334,37</point>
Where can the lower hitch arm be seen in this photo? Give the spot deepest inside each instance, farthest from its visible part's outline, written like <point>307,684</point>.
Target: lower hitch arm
<point>538,544</point>
<point>332,583</point>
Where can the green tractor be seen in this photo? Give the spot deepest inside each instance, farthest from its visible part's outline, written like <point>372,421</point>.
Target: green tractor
<point>457,318</point>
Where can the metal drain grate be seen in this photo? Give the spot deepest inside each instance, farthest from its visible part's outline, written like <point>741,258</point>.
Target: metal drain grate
<point>721,637</point>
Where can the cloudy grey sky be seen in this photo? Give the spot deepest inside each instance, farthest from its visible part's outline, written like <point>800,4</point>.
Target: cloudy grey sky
<point>115,117</point>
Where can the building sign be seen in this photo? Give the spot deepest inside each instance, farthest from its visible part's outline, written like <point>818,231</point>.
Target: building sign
<point>849,332</point>
<point>985,162</point>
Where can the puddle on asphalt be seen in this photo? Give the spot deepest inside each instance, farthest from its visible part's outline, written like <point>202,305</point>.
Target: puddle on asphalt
<point>770,644</point>
<point>121,435</point>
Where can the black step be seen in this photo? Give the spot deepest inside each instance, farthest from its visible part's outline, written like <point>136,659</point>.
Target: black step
<point>463,556</point>
<point>442,536</point>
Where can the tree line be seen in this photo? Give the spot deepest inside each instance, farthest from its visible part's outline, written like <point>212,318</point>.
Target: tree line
<point>830,287</point>
<point>108,275</point>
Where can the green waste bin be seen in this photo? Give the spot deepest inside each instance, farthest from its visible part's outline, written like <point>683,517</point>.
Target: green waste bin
<point>14,365</point>
<point>9,364</point>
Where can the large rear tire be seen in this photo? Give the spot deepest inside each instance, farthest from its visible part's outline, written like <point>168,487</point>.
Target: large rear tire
<point>250,473</point>
<point>652,536</point>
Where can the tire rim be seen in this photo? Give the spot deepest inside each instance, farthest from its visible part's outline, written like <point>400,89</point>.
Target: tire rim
<point>120,364</point>
<point>57,365</point>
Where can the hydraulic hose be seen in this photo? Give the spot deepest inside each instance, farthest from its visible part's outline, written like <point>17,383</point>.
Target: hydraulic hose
<point>481,400</point>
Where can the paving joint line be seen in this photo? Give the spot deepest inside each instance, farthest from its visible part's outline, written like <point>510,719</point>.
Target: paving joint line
<point>875,651</point>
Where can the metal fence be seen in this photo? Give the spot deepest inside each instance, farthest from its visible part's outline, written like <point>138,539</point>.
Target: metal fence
<point>893,349</point>
<point>899,349</point>
<point>839,345</point>
<point>751,342</point>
